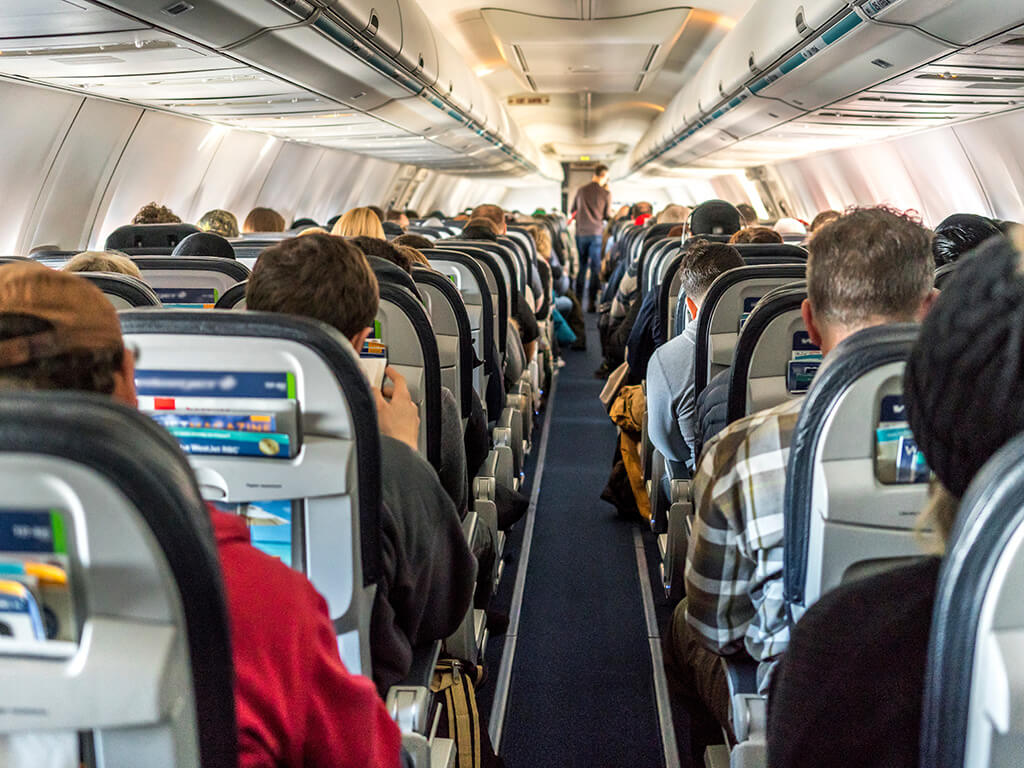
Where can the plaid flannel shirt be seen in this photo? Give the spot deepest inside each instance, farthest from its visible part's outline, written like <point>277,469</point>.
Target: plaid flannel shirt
<point>734,558</point>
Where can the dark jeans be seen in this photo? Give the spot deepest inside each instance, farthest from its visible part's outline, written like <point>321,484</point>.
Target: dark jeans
<point>589,247</point>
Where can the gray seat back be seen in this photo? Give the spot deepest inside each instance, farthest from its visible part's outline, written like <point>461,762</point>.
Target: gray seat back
<point>123,291</point>
<point>973,682</point>
<point>728,302</point>
<point>193,282</point>
<point>855,481</point>
<point>135,651</point>
<point>279,424</point>
<point>774,360</point>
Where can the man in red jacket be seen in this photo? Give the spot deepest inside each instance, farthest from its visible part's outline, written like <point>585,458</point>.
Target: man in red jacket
<point>296,704</point>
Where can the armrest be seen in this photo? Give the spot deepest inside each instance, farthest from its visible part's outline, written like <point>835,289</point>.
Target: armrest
<point>749,710</point>
<point>409,702</point>
<point>509,433</point>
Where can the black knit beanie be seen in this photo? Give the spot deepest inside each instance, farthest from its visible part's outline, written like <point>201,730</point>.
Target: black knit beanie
<point>964,384</point>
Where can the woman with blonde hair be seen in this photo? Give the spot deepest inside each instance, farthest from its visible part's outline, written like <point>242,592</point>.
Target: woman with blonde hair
<point>263,220</point>
<point>359,222</point>
<point>102,261</point>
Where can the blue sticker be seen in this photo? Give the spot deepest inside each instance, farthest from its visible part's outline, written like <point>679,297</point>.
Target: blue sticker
<point>214,384</point>
<point>749,303</point>
<point>802,342</point>
<point>892,409</point>
<point>27,532</point>
<point>186,297</point>
<point>800,375</point>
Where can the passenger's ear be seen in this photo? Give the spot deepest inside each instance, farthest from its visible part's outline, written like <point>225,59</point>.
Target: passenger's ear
<point>124,381</point>
<point>807,312</point>
<point>359,338</point>
<point>927,304</point>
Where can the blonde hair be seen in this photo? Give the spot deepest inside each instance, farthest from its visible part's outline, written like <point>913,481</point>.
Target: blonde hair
<point>102,261</point>
<point>935,522</point>
<point>543,240</point>
<point>313,231</point>
<point>263,220</point>
<point>359,222</point>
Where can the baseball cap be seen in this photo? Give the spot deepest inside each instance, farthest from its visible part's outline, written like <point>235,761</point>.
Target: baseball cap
<point>81,316</point>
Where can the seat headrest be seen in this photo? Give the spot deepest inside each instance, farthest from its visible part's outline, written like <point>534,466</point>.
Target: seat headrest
<point>148,236</point>
<point>204,244</point>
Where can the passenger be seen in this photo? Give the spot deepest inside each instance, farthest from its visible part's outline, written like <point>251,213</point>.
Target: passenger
<point>959,234</point>
<point>641,212</point>
<point>823,218</point>
<point>313,231</point>
<point>204,244</point>
<point>414,255</point>
<point>592,207</point>
<point>673,214</point>
<point>152,213</point>
<point>263,220</point>
<point>382,249</point>
<point>714,217</point>
<point>848,692</point>
<point>790,227</point>
<point>102,261</point>
<point>295,703</point>
<point>428,571</point>
<point>755,235</point>
<point>410,215</point>
<point>872,266</point>
<point>398,220</point>
<point>419,242</point>
<point>303,223</point>
<point>378,212</point>
<point>670,375</point>
<point>748,216</point>
<point>359,222</point>
<point>219,222</point>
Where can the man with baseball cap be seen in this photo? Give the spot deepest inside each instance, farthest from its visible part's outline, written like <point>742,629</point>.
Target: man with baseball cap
<point>296,704</point>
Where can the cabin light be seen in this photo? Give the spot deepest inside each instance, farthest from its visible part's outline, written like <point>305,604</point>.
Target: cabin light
<point>482,71</point>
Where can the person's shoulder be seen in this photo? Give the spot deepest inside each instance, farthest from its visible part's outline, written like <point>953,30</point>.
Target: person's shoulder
<point>751,436</point>
<point>850,618</point>
<point>278,583</point>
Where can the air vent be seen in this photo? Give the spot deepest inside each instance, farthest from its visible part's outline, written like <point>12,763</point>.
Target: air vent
<point>77,61</point>
<point>801,25</point>
<point>882,63</point>
<point>750,63</point>
<point>176,9</point>
<point>520,58</point>
<point>533,85</point>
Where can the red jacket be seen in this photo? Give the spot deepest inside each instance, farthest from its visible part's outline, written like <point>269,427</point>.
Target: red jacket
<point>295,702</point>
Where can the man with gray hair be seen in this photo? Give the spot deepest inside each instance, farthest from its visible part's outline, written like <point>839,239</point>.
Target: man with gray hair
<point>871,267</point>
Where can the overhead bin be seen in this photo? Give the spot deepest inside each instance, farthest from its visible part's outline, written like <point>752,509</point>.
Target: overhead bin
<point>378,21</point>
<point>310,57</point>
<point>217,23</point>
<point>419,51</point>
<point>865,55</point>
<point>962,22</point>
<point>42,18</point>
<point>454,79</point>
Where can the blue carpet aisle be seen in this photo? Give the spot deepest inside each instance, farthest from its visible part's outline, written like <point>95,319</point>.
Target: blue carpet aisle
<point>581,691</point>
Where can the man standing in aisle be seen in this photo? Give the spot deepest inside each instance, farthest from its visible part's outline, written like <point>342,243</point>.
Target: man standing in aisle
<point>592,206</point>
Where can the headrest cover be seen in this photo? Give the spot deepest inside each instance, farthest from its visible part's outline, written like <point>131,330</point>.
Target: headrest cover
<point>81,316</point>
<point>715,217</point>
<point>965,379</point>
<point>204,244</point>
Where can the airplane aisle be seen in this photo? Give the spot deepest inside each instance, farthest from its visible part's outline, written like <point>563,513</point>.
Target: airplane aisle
<point>581,691</point>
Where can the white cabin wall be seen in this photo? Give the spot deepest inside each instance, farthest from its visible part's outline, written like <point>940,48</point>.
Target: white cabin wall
<point>970,168</point>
